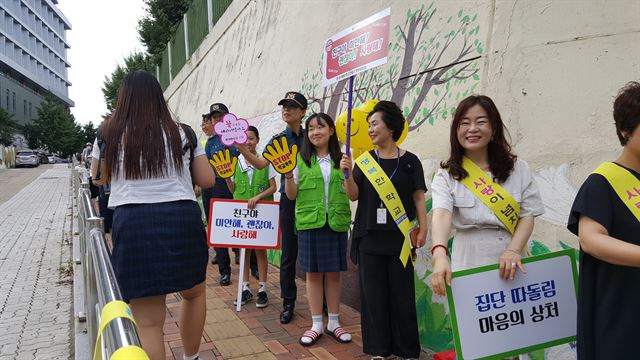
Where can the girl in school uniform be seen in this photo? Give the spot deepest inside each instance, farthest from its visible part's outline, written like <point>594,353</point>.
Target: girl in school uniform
<point>323,217</point>
<point>159,239</point>
<point>253,185</point>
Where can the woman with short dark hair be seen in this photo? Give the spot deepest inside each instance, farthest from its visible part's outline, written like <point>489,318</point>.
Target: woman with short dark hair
<point>481,171</point>
<point>606,217</point>
<point>388,309</point>
<point>158,235</point>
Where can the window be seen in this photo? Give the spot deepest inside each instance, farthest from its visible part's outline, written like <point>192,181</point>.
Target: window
<point>13,103</point>
<point>30,112</point>
<point>24,108</point>
<point>7,99</point>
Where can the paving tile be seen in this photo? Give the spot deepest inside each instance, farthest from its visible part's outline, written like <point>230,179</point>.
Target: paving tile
<point>226,330</point>
<point>275,347</point>
<point>240,346</point>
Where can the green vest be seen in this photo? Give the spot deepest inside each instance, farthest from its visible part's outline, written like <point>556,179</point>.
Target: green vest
<point>259,183</point>
<point>311,212</point>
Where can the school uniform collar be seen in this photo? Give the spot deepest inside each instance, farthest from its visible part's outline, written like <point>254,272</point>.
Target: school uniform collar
<point>326,158</point>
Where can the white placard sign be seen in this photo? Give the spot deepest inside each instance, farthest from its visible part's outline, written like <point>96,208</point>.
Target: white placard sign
<point>232,224</point>
<point>494,318</point>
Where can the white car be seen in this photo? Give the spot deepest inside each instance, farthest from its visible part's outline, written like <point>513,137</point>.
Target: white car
<point>27,158</point>
<point>53,159</point>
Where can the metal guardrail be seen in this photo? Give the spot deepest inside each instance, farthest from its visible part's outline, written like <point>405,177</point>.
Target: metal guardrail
<point>100,285</point>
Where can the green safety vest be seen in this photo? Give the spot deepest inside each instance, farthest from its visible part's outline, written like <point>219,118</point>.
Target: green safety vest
<point>259,183</point>
<point>311,212</point>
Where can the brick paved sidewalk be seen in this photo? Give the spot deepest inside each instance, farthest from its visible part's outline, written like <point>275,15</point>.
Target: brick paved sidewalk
<point>257,333</point>
<point>35,287</point>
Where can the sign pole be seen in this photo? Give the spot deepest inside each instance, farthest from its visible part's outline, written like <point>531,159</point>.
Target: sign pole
<point>349,108</point>
<point>240,280</point>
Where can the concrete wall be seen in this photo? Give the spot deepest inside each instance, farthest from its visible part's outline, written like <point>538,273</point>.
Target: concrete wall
<point>553,68</point>
<point>10,89</point>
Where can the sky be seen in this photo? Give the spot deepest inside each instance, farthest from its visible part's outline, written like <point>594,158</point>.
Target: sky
<point>103,33</point>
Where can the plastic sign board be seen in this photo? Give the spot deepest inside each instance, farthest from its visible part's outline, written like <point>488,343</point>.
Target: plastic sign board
<point>233,224</point>
<point>357,48</point>
<point>495,319</point>
<point>232,130</point>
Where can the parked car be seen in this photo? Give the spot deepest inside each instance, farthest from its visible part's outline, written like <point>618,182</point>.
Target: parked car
<point>27,158</point>
<point>54,159</point>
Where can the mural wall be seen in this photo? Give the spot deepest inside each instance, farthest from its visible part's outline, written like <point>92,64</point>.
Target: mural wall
<point>552,67</point>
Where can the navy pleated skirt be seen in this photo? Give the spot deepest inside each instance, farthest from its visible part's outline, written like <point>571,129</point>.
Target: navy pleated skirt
<point>158,248</point>
<point>322,250</point>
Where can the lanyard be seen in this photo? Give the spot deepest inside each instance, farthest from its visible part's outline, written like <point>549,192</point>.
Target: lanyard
<point>397,163</point>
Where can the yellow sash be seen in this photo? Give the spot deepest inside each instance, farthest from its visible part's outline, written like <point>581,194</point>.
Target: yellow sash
<point>624,183</point>
<point>503,205</point>
<point>387,192</point>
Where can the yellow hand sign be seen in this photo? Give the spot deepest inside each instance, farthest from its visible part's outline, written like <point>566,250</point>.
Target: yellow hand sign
<point>280,156</point>
<point>224,164</point>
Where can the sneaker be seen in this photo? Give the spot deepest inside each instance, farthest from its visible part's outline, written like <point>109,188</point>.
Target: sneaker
<point>262,300</point>
<point>246,296</point>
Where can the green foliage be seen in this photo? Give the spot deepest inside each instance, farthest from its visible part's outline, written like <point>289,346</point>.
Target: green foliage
<point>158,26</point>
<point>55,129</point>
<point>8,127</point>
<point>434,324</point>
<point>111,85</point>
<point>89,132</point>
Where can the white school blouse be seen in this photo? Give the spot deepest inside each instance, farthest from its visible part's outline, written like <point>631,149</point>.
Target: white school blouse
<point>480,236</point>
<point>172,187</point>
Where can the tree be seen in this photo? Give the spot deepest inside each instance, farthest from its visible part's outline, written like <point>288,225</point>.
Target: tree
<point>55,129</point>
<point>111,85</point>
<point>8,127</point>
<point>89,132</point>
<point>157,28</point>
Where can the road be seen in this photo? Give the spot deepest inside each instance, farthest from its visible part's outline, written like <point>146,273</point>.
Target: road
<point>13,180</point>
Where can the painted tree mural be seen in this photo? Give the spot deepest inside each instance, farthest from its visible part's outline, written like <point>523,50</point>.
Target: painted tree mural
<point>433,63</point>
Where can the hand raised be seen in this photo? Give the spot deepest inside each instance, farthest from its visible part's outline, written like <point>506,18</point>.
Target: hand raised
<point>224,164</point>
<point>281,156</point>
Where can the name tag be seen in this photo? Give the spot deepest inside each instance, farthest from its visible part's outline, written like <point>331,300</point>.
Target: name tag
<point>381,216</point>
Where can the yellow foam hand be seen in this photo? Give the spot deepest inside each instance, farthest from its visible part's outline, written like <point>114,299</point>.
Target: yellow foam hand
<point>224,164</point>
<point>281,156</point>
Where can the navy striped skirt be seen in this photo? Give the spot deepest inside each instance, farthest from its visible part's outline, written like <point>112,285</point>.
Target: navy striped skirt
<point>158,248</point>
<point>322,250</point>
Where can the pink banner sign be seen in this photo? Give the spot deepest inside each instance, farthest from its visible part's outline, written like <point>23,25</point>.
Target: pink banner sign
<point>358,48</point>
<point>232,130</point>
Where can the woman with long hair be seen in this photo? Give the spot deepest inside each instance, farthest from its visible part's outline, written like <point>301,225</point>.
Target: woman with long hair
<point>158,235</point>
<point>481,171</point>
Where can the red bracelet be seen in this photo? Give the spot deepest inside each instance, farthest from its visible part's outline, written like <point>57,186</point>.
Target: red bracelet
<point>434,247</point>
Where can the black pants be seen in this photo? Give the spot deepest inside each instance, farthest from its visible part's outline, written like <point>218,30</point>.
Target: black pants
<point>221,191</point>
<point>289,247</point>
<point>388,309</point>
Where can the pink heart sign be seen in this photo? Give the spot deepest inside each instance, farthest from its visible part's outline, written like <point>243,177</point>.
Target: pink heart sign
<point>232,130</point>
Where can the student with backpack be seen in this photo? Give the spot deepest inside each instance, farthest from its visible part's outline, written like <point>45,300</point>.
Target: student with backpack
<point>158,235</point>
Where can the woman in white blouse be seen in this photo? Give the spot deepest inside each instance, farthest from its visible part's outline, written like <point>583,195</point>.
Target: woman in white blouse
<point>481,238</point>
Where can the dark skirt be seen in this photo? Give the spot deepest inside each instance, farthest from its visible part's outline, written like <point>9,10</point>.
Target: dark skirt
<point>158,248</point>
<point>322,250</point>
